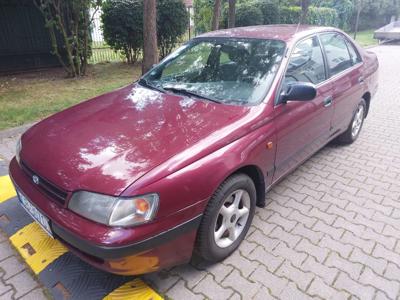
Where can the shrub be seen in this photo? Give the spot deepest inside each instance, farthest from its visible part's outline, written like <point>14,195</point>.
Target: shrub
<point>172,22</point>
<point>248,13</point>
<point>344,9</point>
<point>270,11</point>
<point>289,14</point>
<point>321,16</point>
<point>123,26</point>
<point>203,12</point>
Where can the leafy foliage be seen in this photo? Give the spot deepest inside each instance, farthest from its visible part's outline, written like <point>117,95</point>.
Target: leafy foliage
<point>203,13</point>
<point>123,25</point>
<point>344,9</point>
<point>321,16</point>
<point>68,23</point>
<point>172,22</point>
<point>248,13</point>
<point>270,11</point>
<point>374,13</point>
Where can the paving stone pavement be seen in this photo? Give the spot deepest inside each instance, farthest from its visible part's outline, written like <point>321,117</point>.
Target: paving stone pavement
<point>331,229</point>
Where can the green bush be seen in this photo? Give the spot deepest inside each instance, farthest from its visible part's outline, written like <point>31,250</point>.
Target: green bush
<point>248,14</point>
<point>269,10</point>
<point>344,9</point>
<point>172,23</point>
<point>123,25</point>
<point>321,16</point>
<point>289,14</point>
<point>203,13</point>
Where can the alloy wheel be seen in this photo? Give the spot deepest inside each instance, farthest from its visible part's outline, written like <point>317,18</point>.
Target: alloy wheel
<point>232,218</point>
<point>358,120</point>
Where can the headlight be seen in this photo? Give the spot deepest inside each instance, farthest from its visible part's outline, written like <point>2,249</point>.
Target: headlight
<point>114,211</point>
<point>18,150</point>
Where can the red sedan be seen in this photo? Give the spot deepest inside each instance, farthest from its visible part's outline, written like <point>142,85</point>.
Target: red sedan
<point>175,164</point>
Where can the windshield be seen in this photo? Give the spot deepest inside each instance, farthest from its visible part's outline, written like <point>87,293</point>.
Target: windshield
<point>226,70</point>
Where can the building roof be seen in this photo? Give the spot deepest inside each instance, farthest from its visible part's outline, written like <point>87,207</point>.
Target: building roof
<point>279,32</point>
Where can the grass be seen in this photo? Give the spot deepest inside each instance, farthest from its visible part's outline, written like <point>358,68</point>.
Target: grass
<point>28,97</point>
<point>101,52</point>
<point>365,38</point>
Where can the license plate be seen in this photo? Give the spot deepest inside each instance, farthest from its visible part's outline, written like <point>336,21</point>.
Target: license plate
<point>42,220</point>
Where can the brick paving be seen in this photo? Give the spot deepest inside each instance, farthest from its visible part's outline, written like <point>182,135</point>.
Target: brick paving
<point>331,229</point>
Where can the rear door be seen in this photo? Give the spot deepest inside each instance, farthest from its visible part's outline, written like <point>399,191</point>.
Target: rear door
<point>303,127</point>
<point>344,69</point>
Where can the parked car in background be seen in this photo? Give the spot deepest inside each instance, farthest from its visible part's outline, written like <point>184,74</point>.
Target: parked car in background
<point>141,178</point>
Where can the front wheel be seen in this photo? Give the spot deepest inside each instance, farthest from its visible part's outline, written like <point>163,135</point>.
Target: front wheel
<point>354,129</point>
<point>227,218</point>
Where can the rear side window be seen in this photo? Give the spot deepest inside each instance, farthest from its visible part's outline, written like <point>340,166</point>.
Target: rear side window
<point>306,63</point>
<point>337,53</point>
<point>355,58</point>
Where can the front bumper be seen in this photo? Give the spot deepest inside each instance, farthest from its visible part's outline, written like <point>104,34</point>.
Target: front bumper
<point>128,251</point>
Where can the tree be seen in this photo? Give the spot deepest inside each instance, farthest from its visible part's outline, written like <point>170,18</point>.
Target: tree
<point>304,10</point>
<point>359,8</point>
<point>150,53</point>
<point>231,13</point>
<point>68,23</point>
<point>216,15</point>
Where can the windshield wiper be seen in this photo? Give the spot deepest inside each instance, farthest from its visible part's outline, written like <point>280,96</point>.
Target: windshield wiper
<point>145,83</point>
<point>189,93</point>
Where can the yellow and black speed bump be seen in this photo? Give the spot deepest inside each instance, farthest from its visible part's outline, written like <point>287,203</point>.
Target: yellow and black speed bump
<point>63,274</point>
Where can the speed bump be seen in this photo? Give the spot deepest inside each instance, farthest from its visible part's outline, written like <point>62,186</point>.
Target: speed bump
<point>135,289</point>
<point>36,247</point>
<point>7,190</point>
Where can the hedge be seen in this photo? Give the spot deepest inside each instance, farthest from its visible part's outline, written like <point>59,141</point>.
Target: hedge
<point>268,12</point>
<point>322,16</point>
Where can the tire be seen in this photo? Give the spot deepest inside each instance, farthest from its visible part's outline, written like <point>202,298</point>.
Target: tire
<point>208,246</point>
<point>350,135</point>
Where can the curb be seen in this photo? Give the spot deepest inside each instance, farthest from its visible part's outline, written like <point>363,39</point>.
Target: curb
<point>12,132</point>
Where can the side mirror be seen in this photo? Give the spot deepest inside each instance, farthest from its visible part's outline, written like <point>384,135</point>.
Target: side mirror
<point>299,91</point>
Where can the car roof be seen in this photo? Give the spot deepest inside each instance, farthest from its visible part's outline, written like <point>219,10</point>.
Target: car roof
<point>285,32</point>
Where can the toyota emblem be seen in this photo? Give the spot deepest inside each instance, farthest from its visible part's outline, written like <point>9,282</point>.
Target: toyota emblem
<point>35,179</point>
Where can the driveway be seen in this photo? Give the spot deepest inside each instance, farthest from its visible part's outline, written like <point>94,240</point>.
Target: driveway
<point>331,229</point>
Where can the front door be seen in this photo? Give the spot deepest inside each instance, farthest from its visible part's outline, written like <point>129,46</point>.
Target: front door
<point>303,127</point>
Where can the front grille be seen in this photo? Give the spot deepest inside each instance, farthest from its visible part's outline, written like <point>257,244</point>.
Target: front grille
<point>45,186</point>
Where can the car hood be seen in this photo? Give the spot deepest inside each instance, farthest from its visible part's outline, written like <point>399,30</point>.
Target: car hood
<point>107,143</point>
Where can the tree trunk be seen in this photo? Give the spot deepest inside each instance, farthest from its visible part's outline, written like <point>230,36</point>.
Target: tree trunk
<point>359,7</point>
<point>150,55</point>
<point>217,13</point>
<point>231,13</point>
<point>304,10</point>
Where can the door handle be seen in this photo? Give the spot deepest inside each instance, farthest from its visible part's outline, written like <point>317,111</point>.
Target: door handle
<point>328,101</point>
<point>361,79</point>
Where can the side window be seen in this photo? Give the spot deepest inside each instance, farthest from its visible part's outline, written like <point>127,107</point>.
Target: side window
<point>355,58</point>
<point>337,54</point>
<point>306,63</point>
